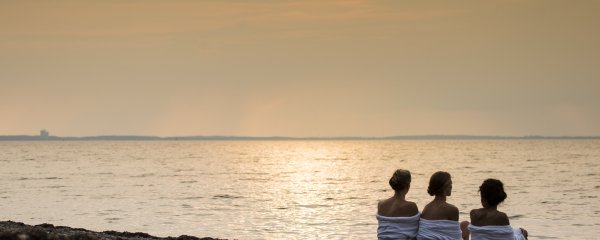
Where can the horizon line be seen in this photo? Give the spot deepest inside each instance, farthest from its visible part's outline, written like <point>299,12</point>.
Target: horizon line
<point>234,137</point>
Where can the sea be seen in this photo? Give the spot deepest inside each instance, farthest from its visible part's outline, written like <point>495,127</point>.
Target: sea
<point>290,189</point>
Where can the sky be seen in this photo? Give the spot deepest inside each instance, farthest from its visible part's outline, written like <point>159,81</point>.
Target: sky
<point>308,68</point>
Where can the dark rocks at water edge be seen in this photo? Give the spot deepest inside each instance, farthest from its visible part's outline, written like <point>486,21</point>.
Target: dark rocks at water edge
<point>10,230</point>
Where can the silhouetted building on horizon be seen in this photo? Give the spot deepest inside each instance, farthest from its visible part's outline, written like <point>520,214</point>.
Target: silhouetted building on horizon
<point>44,133</point>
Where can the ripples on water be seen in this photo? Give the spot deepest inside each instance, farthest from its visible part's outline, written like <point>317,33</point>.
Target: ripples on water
<point>290,189</point>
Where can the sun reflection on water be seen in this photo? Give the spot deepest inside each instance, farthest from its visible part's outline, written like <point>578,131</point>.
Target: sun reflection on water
<point>287,189</point>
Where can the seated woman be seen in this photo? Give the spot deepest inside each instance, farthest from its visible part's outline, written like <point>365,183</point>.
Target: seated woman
<point>398,218</point>
<point>488,222</point>
<point>439,219</point>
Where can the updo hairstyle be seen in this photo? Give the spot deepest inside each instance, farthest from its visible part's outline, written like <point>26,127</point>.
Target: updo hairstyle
<point>437,183</point>
<point>400,180</point>
<point>492,191</point>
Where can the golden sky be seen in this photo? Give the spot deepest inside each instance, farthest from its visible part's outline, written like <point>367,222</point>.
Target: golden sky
<point>300,68</point>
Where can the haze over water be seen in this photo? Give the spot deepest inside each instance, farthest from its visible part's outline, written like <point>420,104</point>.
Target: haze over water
<point>290,189</point>
<point>300,68</point>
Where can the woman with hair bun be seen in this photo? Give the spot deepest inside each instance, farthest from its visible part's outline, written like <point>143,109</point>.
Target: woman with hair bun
<point>439,219</point>
<point>488,222</point>
<point>398,218</point>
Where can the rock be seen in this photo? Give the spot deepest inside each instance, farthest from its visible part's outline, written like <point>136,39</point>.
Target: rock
<point>10,230</point>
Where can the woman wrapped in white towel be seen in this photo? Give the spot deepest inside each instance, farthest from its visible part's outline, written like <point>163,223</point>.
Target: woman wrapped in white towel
<point>398,218</point>
<point>439,219</point>
<point>489,223</point>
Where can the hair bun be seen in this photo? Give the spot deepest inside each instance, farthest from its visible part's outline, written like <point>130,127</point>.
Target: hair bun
<point>400,180</point>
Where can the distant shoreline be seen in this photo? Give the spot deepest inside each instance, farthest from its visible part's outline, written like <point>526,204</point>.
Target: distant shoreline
<point>277,138</point>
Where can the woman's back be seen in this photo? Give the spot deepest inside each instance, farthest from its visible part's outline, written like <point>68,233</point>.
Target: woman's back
<point>440,211</point>
<point>394,207</point>
<point>486,217</point>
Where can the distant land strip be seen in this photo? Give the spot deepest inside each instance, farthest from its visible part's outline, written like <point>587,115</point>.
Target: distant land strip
<point>277,138</point>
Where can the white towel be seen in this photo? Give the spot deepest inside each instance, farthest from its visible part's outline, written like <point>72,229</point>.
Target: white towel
<point>439,230</point>
<point>397,227</point>
<point>495,233</point>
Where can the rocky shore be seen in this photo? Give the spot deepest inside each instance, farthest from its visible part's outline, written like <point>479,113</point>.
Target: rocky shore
<point>10,230</point>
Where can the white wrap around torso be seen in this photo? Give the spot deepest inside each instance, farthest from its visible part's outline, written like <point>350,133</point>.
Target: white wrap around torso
<point>505,232</point>
<point>402,228</point>
<point>439,230</point>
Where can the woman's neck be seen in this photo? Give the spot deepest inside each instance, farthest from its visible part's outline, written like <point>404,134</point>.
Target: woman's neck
<point>440,198</point>
<point>491,208</point>
<point>401,195</point>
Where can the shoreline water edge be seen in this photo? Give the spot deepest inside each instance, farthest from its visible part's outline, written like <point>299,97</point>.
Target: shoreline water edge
<point>17,230</point>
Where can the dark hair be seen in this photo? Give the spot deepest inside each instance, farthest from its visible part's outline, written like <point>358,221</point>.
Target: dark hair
<point>400,180</point>
<point>437,183</point>
<point>492,191</point>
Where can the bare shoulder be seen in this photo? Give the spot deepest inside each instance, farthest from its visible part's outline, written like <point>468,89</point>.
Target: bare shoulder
<point>412,208</point>
<point>452,208</point>
<point>448,212</point>
<point>476,215</point>
<point>379,203</point>
<point>452,212</point>
<point>503,219</point>
<point>383,206</point>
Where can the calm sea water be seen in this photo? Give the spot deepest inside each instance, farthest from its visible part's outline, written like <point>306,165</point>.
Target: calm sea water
<point>290,189</point>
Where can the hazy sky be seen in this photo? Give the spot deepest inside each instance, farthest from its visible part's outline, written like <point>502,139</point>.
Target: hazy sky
<point>300,68</point>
